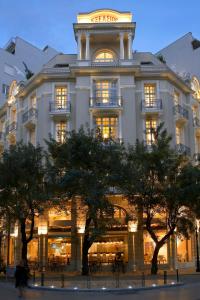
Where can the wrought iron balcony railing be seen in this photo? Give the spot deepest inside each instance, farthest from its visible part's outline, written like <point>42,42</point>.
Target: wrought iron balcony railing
<point>183,149</point>
<point>29,114</point>
<point>196,122</point>
<point>151,106</point>
<point>11,127</point>
<point>105,62</point>
<point>60,107</point>
<point>178,109</point>
<point>105,102</point>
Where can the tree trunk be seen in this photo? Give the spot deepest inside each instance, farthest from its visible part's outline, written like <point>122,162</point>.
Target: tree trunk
<point>24,241</point>
<point>154,261</point>
<point>86,246</point>
<point>85,265</point>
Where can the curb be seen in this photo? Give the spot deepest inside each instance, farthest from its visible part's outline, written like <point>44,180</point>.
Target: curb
<point>106,290</point>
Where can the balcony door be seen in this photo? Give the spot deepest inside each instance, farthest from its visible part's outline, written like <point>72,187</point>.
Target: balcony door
<point>150,94</point>
<point>105,91</point>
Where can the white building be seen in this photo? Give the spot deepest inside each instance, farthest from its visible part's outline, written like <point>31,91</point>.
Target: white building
<point>12,56</point>
<point>125,95</point>
<point>183,55</point>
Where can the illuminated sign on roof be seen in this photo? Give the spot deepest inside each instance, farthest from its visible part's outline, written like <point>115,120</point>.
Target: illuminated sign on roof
<point>105,16</point>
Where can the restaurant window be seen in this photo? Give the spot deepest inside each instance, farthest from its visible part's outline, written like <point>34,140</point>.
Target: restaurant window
<point>149,247</point>
<point>184,250</point>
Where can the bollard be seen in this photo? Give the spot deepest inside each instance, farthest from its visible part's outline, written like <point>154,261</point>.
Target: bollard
<point>117,279</point>
<point>62,281</point>
<point>143,279</point>
<point>177,275</point>
<point>42,279</point>
<point>88,282</point>
<point>33,277</point>
<point>165,277</point>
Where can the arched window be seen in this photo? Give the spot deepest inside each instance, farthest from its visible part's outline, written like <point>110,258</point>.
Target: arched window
<point>104,56</point>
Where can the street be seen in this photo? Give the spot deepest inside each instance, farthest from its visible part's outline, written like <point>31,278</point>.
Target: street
<point>190,291</point>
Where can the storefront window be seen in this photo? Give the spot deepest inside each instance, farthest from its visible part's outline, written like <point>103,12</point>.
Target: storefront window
<point>59,250</point>
<point>33,250</point>
<point>106,251</point>
<point>184,250</point>
<point>149,247</point>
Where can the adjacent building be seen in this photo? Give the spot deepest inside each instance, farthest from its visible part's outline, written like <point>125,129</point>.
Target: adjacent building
<point>125,95</point>
<point>15,56</point>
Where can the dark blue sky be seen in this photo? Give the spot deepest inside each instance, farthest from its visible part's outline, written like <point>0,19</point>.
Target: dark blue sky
<point>42,22</point>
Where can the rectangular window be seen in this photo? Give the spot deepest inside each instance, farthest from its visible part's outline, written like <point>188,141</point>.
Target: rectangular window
<point>105,91</point>
<point>61,97</point>
<point>178,135</point>
<point>32,137</point>
<point>150,130</point>
<point>107,127</point>
<point>5,89</point>
<point>33,101</point>
<point>176,98</point>
<point>61,129</point>
<point>150,94</point>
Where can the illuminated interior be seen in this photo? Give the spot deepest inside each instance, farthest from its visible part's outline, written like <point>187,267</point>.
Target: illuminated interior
<point>149,247</point>
<point>176,98</point>
<point>33,250</point>
<point>59,250</point>
<point>150,125</point>
<point>107,127</point>
<point>104,56</point>
<point>105,91</point>
<point>61,97</point>
<point>184,250</point>
<point>150,94</point>
<point>61,129</point>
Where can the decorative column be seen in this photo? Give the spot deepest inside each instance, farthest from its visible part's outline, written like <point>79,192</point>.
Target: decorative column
<point>79,47</point>
<point>129,45</point>
<point>121,35</point>
<point>87,46</point>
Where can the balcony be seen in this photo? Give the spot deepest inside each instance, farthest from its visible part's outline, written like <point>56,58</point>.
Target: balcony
<point>101,103</point>
<point>104,62</point>
<point>154,106</point>
<point>183,149</point>
<point>182,114</point>
<point>29,117</point>
<point>11,128</point>
<point>58,108</point>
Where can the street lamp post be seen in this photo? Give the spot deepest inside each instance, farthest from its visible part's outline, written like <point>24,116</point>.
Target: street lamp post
<point>197,245</point>
<point>132,228</point>
<point>42,233</point>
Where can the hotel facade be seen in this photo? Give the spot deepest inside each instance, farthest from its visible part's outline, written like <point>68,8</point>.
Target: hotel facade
<point>123,93</point>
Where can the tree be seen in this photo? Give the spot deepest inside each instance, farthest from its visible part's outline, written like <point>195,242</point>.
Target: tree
<point>156,181</point>
<point>85,167</point>
<point>22,189</point>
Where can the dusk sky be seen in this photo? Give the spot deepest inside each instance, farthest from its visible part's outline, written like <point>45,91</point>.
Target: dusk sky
<point>43,22</point>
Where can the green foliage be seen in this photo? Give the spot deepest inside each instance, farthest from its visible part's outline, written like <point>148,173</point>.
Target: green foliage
<point>158,181</point>
<point>85,167</point>
<point>22,189</point>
